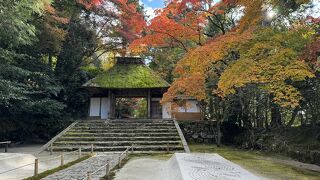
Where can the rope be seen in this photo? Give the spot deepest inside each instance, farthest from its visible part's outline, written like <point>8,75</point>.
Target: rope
<point>41,161</point>
<point>50,159</point>
<point>101,167</point>
<point>71,152</point>
<point>16,168</point>
<point>63,154</point>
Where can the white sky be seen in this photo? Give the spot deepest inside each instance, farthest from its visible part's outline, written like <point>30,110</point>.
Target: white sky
<point>151,5</point>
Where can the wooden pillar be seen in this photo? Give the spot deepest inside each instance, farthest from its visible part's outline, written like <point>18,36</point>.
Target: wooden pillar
<point>89,176</point>
<point>119,161</point>
<point>107,170</point>
<point>149,104</point>
<point>109,104</point>
<point>79,151</point>
<point>36,167</point>
<point>62,159</point>
<point>51,149</point>
<point>112,104</point>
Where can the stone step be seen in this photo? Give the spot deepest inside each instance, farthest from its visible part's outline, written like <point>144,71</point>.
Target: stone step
<point>90,134</point>
<point>123,127</point>
<point>114,143</point>
<point>124,121</point>
<point>123,130</point>
<point>116,135</point>
<point>141,121</point>
<point>121,148</point>
<point>118,138</point>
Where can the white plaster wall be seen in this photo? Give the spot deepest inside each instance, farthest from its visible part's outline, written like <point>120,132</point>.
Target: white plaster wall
<point>181,109</point>
<point>192,106</point>
<point>166,111</point>
<point>94,107</point>
<point>105,108</point>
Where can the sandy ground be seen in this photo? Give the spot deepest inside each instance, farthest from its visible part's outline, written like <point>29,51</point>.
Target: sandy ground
<point>26,149</point>
<point>26,154</point>
<point>185,166</point>
<point>142,169</point>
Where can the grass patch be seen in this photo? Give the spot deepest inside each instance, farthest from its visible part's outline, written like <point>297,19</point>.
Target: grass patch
<point>158,156</point>
<point>51,171</point>
<point>255,162</point>
<point>115,169</point>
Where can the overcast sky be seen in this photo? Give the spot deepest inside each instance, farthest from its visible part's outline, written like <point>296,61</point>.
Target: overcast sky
<point>151,5</point>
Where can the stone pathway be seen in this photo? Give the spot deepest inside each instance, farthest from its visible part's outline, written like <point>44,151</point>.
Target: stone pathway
<point>79,171</point>
<point>297,164</point>
<point>185,166</point>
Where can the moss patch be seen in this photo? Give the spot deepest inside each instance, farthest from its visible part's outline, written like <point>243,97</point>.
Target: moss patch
<point>254,161</point>
<point>158,156</point>
<point>51,171</point>
<point>128,76</point>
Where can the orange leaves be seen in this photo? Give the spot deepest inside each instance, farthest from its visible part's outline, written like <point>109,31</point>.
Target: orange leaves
<point>266,57</point>
<point>90,3</point>
<point>199,59</point>
<point>53,16</point>
<point>182,22</point>
<point>179,24</point>
<point>192,85</point>
<point>252,13</point>
<point>193,68</point>
<point>164,31</point>
<point>132,20</point>
<point>311,54</point>
<point>127,21</point>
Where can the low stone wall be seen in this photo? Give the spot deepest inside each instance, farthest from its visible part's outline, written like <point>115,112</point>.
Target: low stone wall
<point>306,156</point>
<point>198,131</point>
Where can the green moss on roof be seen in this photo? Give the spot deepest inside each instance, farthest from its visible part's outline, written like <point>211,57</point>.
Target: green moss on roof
<point>128,76</point>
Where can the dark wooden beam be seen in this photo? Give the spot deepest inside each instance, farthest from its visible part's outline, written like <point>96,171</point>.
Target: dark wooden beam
<point>112,103</point>
<point>149,104</point>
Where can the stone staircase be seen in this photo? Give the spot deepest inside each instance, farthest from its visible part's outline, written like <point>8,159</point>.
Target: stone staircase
<point>117,135</point>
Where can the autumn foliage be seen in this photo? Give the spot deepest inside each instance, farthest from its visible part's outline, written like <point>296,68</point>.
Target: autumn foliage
<point>251,51</point>
<point>268,58</point>
<point>129,21</point>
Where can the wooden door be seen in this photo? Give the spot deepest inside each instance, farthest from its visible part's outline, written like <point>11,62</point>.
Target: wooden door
<point>156,110</point>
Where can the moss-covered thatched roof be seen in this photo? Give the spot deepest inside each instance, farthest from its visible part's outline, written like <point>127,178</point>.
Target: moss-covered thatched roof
<point>128,73</point>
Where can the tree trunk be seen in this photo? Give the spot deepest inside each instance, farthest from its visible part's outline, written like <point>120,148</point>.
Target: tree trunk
<point>303,123</point>
<point>50,61</point>
<point>275,115</point>
<point>293,117</point>
<point>259,117</point>
<point>211,110</point>
<point>218,139</point>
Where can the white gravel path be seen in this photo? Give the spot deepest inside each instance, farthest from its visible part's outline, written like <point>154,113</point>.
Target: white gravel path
<point>79,170</point>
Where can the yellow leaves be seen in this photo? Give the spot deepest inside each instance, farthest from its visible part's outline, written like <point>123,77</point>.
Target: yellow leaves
<point>252,13</point>
<point>238,75</point>
<point>199,59</point>
<point>270,77</point>
<point>283,94</point>
<point>108,61</point>
<point>193,68</point>
<point>269,61</point>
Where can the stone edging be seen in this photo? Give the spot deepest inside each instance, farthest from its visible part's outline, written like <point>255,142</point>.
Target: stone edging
<point>56,137</point>
<point>184,142</point>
